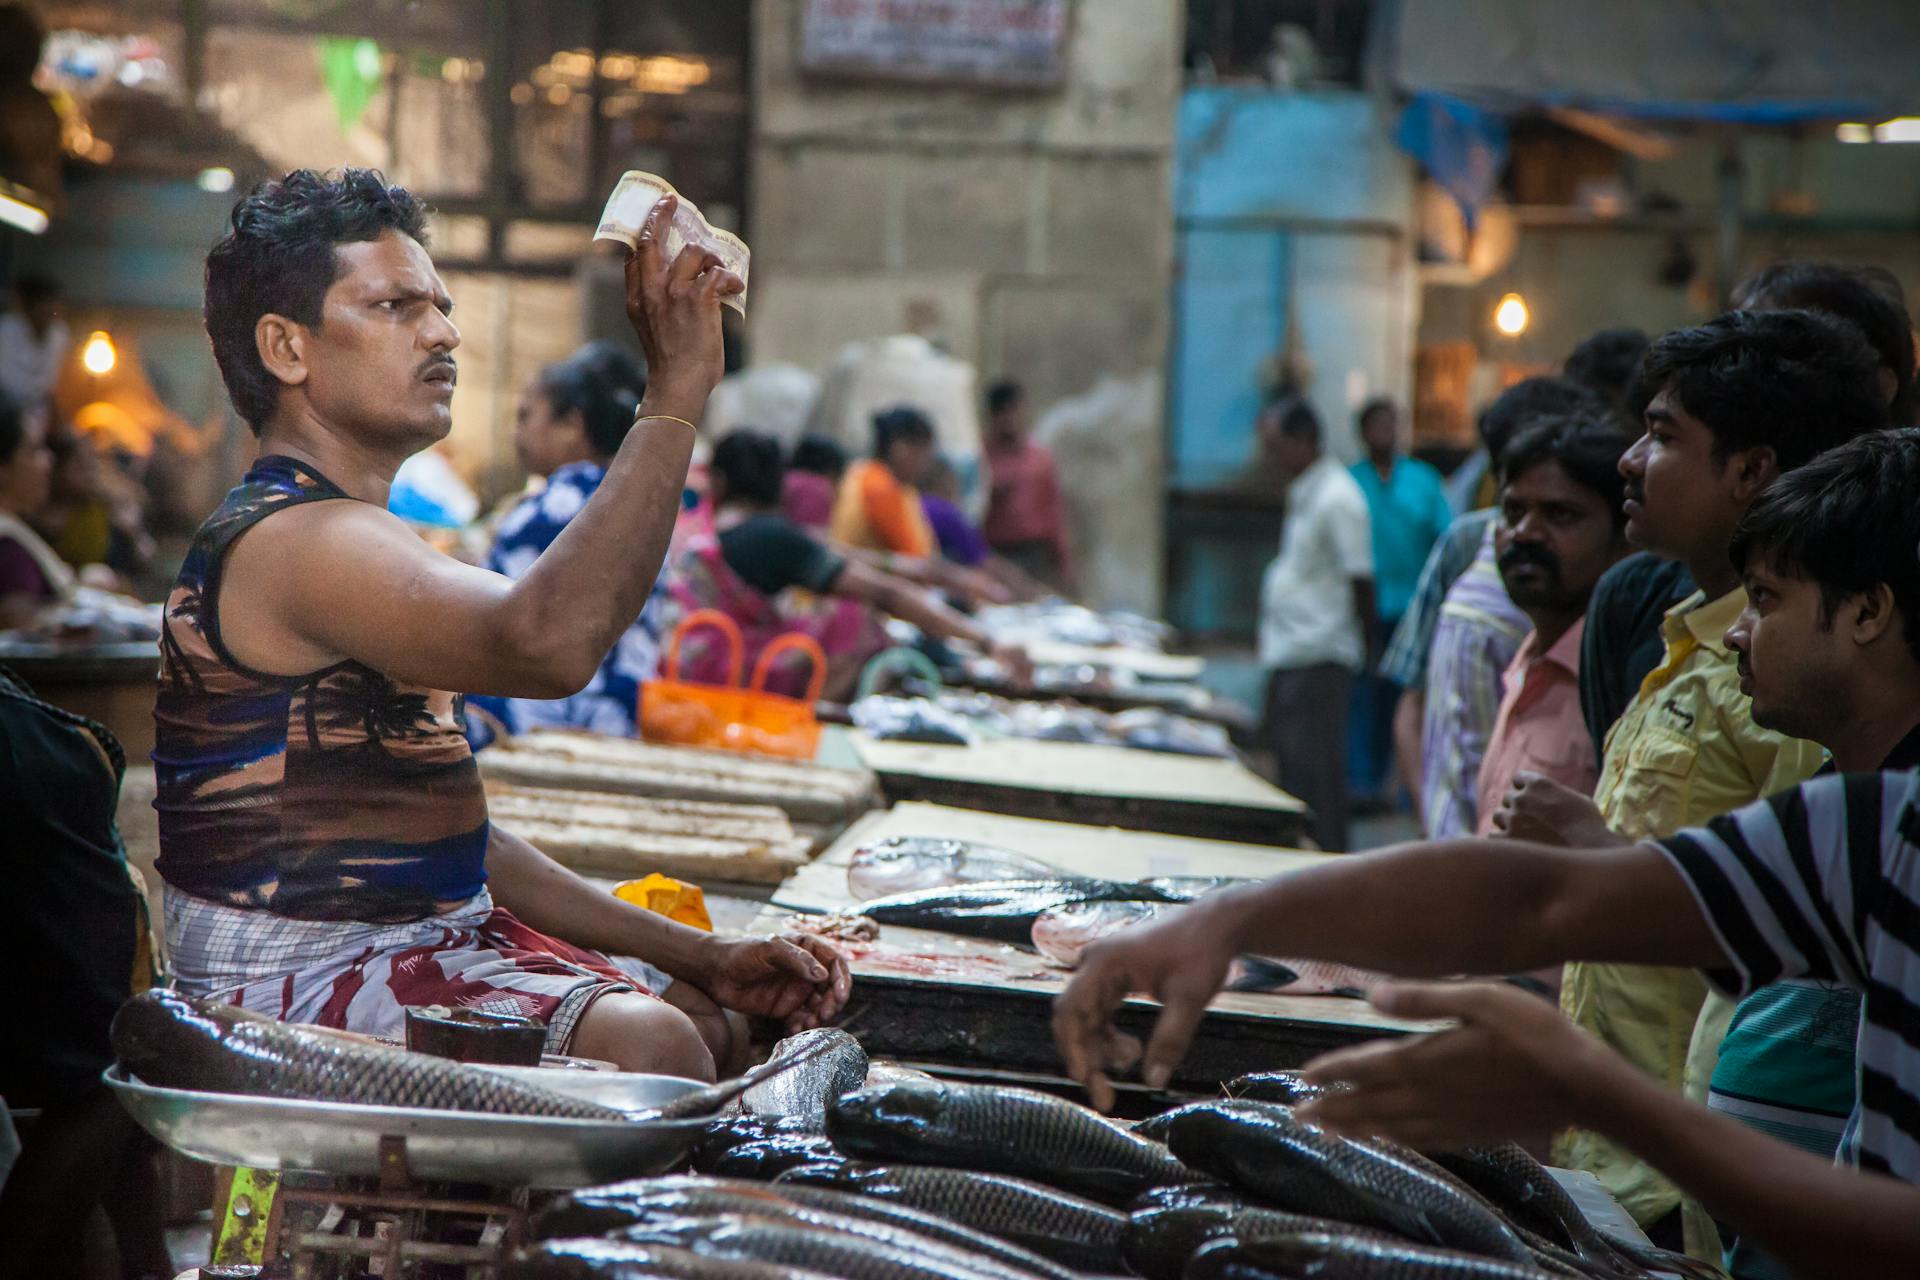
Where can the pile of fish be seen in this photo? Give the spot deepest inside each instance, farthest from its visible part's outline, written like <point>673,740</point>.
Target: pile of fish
<point>977,890</point>
<point>909,1178</point>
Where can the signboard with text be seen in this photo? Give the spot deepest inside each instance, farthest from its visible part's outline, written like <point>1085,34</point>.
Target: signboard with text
<point>1007,43</point>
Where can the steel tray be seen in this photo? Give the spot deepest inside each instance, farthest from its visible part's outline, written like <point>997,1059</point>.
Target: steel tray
<point>343,1139</point>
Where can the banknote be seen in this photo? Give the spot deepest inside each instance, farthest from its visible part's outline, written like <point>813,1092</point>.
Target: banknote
<point>634,198</point>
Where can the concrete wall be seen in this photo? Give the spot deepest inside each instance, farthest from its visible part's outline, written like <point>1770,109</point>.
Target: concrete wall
<point>1037,225</point>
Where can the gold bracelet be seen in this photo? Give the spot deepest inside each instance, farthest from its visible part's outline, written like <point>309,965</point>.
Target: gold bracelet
<point>667,417</point>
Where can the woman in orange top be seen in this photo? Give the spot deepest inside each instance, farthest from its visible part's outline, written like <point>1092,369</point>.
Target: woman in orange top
<point>878,507</point>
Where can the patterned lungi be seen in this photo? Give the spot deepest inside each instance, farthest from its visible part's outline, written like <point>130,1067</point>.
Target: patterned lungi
<point>363,977</point>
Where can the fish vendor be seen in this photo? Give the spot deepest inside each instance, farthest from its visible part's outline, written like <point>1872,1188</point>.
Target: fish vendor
<point>324,834</point>
<point>1803,903</point>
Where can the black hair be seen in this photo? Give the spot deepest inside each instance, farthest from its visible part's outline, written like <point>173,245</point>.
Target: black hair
<point>1796,382</point>
<point>749,461</point>
<point>820,455</point>
<point>603,384</point>
<point>900,425</point>
<point>1846,521</point>
<point>1587,446</point>
<point>36,286</point>
<point>1379,404</point>
<point>1869,298</point>
<point>1003,395</point>
<point>278,258</point>
<point>1604,364</point>
<point>1526,400</point>
<point>1295,418</point>
<point>13,428</point>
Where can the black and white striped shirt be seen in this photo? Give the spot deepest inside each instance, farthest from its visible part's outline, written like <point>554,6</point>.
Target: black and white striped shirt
<point>1823,881</point>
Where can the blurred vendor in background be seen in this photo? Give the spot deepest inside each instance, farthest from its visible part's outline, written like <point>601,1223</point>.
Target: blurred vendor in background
<point>1026,516</point>
<point>813,482</point>
<point>771,577</point>
<point>32,575</point>
<point>879,504</point>
<point>962,544</point>
<point>570,423</point>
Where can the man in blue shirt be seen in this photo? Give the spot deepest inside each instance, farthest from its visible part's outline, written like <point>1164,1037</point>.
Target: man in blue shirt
<point>1407,502</point>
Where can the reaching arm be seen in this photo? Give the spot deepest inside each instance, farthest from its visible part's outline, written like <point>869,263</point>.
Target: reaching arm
<point>899,598</point>
<point>1409,716</point>
<point>1466,906</point>
<point>349,581</point>
<point>1513,1065</point>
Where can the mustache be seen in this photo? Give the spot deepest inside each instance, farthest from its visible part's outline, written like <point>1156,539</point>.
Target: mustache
<point>434,364</point>
<point>1525,553</point>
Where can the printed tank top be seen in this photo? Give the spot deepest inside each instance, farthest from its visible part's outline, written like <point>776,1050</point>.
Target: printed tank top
<point>337,795</point>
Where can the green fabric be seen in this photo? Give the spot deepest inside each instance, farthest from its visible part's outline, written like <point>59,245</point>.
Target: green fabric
<point>351,71</point>
<point>1787,1064</point>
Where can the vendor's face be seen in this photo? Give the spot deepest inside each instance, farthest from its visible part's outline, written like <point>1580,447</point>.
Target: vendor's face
<point>1682,502</point>
<point>911,460</point>
<point>1793,660</point>
<point>543,440</point>
<point>26,479</point>
<point>1554,539</point>
<point>380,365</point>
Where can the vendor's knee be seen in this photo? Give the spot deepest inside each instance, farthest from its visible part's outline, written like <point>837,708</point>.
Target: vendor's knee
<point>638,1033</point>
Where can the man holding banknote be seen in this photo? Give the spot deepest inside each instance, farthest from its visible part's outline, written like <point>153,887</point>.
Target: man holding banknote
<point>323,829</point>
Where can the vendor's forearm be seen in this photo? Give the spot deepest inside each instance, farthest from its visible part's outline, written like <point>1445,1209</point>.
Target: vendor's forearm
<point>552,899</point>
<point>1822,1222</point>
<point>1472,906</point>
<point>569,609</point>
<point>927,613</point>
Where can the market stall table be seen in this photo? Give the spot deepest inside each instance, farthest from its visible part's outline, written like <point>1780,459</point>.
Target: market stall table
<point>113,683</point>
<point>1100,785</point>
<point>964,1004</point>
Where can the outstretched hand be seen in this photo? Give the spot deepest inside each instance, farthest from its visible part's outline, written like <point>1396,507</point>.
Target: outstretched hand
<point>798,980</point>
<point>1512,1067</point>
<point>1540,810</point>
<point>675,311</point>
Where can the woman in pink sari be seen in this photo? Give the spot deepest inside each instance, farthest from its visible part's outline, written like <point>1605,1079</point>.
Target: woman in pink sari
<point>771,577</point>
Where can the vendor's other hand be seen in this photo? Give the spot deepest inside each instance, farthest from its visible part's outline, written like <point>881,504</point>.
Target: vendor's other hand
<point>1181,962</point>
<point>1015,662</point>
<point>797,980</point>
<point>981,588</point>
<point>1513,1067</point>
<point>675,311</point>
<point>1540,810</point>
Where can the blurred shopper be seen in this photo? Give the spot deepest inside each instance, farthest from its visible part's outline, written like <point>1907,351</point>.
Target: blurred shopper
<point>994,577</point>
<point>32,574</point>
<point>1316,615</point>
<point>812,481</point>
<point>1738,402</point>
<point>33,342</point>
<point>570,423</point>
<point>94,516</point>
<point>1407,507</point>
<point>1605,365</point>
<point>773,578</point>
<point>1026,516</point>
<point>1561,526</point>
<point>878,506</point>
<point>1460,632</point>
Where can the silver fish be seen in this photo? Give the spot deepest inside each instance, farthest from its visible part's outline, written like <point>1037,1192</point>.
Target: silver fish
<point>901,864</point>
<point>834,1064</point>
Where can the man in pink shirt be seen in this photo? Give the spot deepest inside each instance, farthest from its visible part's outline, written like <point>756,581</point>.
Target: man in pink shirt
<point>1026,520</point>
<point>1561,526</point>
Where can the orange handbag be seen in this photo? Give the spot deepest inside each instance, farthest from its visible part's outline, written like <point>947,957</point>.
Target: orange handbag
<point>730,716</point>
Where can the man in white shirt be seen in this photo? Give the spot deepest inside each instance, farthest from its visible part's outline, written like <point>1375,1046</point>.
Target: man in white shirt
<point>1316,605</point>
<point>33,341</point>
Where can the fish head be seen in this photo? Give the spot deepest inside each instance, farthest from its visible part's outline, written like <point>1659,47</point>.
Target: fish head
<point>902,864</point>
<point>1063,933</point>
<point>165,1038</point>
<point>1232,1257</point>
<point>902,1106</point>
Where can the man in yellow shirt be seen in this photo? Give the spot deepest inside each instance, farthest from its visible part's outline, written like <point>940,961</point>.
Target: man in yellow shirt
<point>1737,402</point>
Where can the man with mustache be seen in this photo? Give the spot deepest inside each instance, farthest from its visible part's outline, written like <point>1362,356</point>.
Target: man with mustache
<point>1560,527</point>
<point>324,833</point>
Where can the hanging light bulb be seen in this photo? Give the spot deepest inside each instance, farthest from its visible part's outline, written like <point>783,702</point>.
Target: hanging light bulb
<point>1510,315</point>
<point>98,356</point>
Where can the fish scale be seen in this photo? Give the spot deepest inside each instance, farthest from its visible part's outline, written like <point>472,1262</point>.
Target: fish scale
<point>1053,1223</point>
<point>848,1254</point>
<point>623,1260</point>
<point>1329,1256</point>
<point>1161,1240</point>
<point>1307,1170</point>
<point>1013,1131</point>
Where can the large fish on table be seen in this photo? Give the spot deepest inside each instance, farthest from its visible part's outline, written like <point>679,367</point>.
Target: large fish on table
<point>1335,1256</point>
<point>604,1210</point>
<point>907,864</point>
<point>1005,910</point>
<point>994,1130</point>
<point>1303,1169</point>
<point>851,1249</point>
<point>834,1064</point>
<point>168,1040</point>
<point>1066,1228</point>
<point>1161,1239</point>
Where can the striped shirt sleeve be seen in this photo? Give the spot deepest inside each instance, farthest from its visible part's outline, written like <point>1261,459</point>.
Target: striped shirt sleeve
<point>1786,882</point>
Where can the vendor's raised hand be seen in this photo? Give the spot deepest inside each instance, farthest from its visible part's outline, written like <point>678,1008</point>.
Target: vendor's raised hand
<point>675,311</point>
<point>1543,811</point>
<point>797,980</point>
<point>1181,962</point>
<point>1513,1067</point>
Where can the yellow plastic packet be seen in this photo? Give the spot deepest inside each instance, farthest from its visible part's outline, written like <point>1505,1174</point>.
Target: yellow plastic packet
<point>675,899</point>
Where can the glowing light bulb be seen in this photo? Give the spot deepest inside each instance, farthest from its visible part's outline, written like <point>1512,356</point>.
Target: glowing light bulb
<point>98,356</point>
<point>1510,316</point>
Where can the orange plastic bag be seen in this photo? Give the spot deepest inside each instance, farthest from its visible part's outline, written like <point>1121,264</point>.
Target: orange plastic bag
<point>663,895</point>
<point>728,716</point>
